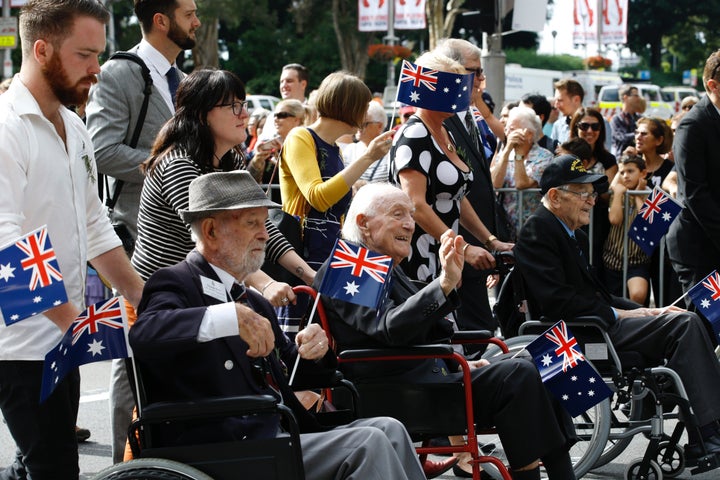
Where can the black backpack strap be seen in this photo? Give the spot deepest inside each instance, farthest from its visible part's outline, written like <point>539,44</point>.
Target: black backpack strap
<point>132,57</point>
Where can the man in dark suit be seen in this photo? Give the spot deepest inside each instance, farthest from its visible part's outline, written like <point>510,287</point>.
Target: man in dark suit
<point>551,255</point>
<point>474,311</point>
<point>191,342</point>
<point>694,238</point>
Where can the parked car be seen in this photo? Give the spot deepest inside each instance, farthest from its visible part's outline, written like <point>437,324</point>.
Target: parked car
<point>267,102</point>
<point>610,104</point>
<point>674,95</point>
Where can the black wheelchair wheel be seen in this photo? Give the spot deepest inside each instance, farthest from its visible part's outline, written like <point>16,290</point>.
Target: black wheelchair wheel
<point>671,459</point>
<point>633,471</point>
<point>151,469</point>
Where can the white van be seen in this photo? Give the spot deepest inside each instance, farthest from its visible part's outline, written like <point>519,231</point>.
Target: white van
<point>520,81</point>
<point>592,81</point>
<point>674,95</point>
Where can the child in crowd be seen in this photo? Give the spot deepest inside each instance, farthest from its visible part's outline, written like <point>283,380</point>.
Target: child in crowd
<point>630,176</point>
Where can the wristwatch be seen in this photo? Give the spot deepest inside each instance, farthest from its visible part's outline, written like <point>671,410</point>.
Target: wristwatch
<point>519,158</point>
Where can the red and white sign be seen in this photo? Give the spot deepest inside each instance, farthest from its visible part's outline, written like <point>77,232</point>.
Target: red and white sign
<point>373,15</point>
<point>613,18</point>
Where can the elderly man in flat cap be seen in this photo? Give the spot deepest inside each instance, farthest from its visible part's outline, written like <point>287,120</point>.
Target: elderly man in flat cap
<point>551,254</point>
<point>190,343</point>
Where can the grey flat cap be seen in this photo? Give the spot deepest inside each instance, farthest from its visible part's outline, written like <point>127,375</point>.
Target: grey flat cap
<point>216,192</point>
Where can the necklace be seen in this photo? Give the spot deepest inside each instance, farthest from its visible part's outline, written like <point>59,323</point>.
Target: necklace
<point>450,147</point>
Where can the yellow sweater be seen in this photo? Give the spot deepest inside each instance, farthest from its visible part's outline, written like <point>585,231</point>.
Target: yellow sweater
<point>300,180</point>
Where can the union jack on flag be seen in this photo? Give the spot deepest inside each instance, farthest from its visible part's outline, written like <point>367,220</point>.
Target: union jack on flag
<point>30,278</point>
<point>40,254</point>
<point>108,314</point>
<point>356,275</point>
<point>99,333</point>
<point>652,204</point>
<point>434,90</point>
<point>565,371</point>
<point>706,297</point>
<point>566,346</point>
<point>645,230</point>
<point>418,75</point>
<point>360,260</point>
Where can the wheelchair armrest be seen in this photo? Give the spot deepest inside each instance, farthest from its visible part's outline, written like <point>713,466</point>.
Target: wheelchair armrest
<point>208,408</point>
<point>463,335</point>
<point>414,351</point>
<point>331,380</point>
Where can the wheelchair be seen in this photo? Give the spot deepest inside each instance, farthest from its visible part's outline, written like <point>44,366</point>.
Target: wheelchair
<point>645,396</point>
<point>277,458</point>
<point>416,405</point>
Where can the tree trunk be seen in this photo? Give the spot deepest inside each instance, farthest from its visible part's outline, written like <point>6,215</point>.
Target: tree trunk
<point>205,53</point>
<point>352,45</point>
<point>435,21</point>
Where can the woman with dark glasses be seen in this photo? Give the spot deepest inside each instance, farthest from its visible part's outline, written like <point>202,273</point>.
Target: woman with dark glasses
<point>589,124</point>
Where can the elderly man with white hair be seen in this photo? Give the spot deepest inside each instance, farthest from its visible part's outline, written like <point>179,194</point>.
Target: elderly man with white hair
<point>521,161</point>
<point>373,125</point>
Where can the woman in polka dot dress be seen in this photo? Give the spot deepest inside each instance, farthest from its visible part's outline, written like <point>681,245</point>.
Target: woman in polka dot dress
<point>436,177</point>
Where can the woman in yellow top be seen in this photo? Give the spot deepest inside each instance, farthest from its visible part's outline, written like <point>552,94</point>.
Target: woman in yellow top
<point>314,183</point>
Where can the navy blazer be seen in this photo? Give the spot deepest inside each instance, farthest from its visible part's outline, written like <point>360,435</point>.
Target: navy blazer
<point>558,282</point>
<point>407,317</point>
<point>176,367</point>
<point>694,237</point>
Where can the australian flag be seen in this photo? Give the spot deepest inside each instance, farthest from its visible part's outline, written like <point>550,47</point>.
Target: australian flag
<point>99,333</point>
<point>653,220</point>
<point>706,297</point>
<point>434,90</point>
<point>30,278</point>
<point>565,372</point>
<point>356,275</point>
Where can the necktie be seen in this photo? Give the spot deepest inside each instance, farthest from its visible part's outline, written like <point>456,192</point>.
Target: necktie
<point>173,79</point>
<point>472,129</point>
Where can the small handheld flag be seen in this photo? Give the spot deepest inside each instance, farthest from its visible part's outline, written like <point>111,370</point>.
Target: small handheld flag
<point>30,278</point>
<point>99,333</point>
<point>434,90</point>
<point>653,220</point>
<point>565,371</point>
<point>356,274</point>
<point>706,297</point>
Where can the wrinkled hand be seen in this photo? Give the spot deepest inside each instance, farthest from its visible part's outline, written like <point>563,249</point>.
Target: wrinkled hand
<point>312,342</point>
<point>479,258</point>
<point>380,146</point>
<point>255,330</point>
<point>492,280</point>
<point>279,294</point>
<point>452,258</point>
<point>647,312</point>
<point>499,246</point>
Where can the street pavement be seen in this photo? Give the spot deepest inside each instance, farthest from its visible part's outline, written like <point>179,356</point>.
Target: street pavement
<point>95,453</point>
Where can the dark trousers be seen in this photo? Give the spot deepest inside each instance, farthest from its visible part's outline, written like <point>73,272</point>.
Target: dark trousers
<point>682,339</point>
<point>474,312</point>
<point>44,433</point>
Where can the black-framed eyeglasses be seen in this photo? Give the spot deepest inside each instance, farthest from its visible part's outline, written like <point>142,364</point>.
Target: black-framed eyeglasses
<point>479,72</point>
<point>284,115</point>
<point>237,107</point>
<point>583,126</point>
<point>583,195</point>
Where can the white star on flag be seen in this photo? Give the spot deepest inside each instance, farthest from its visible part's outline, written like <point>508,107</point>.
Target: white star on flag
<point>546,360</point>
<point>95,347</point>
<point>6,272</point>
<point>591,393</point>
<point>705,303</point>
<point>351,288</point>
<point>37,299</point>
<point>666,216</point>
<point>446,90</point>
<point>414,96</point>
<point>592,379</point>
<point>574,378</point>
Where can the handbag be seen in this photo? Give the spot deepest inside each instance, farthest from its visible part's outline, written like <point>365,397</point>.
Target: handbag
<point>505,228</point>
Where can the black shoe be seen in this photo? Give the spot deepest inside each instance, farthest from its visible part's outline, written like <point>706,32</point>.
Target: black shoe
<point>82,434</point>
<point>459,472</point>
<point>694,451</point>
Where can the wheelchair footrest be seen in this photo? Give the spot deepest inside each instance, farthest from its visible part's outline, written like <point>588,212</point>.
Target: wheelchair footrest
<point>706,463</point>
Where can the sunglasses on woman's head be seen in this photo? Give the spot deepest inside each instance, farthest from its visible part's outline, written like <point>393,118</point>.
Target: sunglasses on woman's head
<point>583,126</point>
<point>283,115</point>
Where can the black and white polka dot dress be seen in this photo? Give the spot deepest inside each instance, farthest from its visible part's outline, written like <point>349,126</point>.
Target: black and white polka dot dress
<point>415,149</point>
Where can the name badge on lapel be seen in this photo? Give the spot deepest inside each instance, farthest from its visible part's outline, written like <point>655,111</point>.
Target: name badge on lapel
<point>214,289</point>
